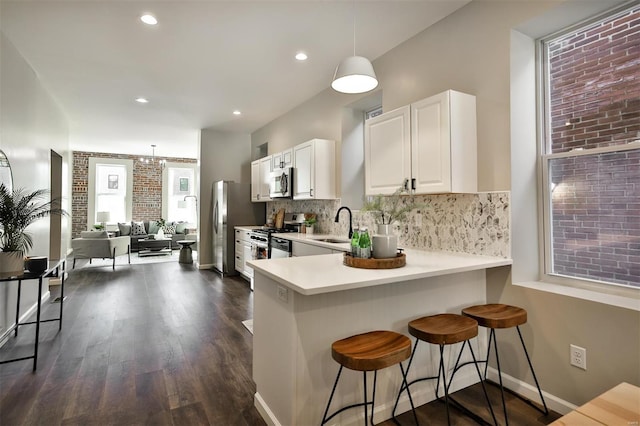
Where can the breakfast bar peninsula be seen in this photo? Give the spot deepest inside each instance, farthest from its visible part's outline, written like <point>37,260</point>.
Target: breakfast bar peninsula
<point>303,304</point>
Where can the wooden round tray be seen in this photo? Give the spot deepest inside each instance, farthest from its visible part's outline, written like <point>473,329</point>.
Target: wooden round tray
<point>394,262</point>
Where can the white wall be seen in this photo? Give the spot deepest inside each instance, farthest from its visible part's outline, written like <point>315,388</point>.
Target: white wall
<point>31,125</point>
<point>470,51</point>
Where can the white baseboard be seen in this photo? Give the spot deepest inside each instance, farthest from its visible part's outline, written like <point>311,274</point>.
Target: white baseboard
<point>204,265</point>
<point>265,412</point>
<point>5,336</point>
<point>531,392</point>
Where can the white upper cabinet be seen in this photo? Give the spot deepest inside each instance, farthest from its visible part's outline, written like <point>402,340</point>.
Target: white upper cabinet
<point>430,146</point>
<point>387,151</point>
<point>260,176</point>
<point>315,170</point>
<point>283,159</point>
<point>255,180</point>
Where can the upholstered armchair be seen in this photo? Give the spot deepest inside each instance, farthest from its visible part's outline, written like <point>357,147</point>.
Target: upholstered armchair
<point>93,244</point>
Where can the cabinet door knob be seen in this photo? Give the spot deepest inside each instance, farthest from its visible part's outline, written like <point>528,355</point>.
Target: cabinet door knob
<point>405,185</point>
<point>413,184</point>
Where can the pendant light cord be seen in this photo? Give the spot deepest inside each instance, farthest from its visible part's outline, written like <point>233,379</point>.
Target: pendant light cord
<point>354,28</point>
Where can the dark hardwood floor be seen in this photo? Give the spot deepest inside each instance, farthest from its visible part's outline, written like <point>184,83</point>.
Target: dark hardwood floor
<point>153,344</point>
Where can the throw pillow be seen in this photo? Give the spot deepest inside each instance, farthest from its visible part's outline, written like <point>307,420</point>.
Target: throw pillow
<point>153,227</point>
<point>169,229</point>
<point>180,227</point>
<point>124,228</point>
<point>137,228</point>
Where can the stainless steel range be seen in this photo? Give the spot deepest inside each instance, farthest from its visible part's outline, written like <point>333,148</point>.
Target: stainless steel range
<point>261,239</point>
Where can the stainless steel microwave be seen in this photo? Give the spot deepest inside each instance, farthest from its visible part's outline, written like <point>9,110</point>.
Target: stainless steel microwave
<point>281,183</point>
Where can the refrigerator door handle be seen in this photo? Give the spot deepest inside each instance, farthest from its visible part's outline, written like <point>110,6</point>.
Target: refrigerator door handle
<point>215,217</point>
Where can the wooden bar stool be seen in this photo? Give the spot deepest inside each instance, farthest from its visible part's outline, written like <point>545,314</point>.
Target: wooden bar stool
<point>494,316</point>
<point>443,330</point>
<point>370,351</point>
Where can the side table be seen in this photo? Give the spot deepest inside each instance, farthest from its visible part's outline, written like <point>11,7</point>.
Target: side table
<point>185,252</point>
<point>56,268</point>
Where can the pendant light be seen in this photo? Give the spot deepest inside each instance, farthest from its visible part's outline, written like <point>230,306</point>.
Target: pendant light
<point>354,74</point>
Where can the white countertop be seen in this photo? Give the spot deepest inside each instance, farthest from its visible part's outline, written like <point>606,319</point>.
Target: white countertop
<point>311,275</point>
<point>313,240</point>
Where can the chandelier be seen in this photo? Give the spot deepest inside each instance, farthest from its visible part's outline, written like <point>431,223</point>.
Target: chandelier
<point>153,160</point>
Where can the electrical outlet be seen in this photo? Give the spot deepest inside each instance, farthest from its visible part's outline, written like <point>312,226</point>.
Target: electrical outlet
<point>283,293</point>
<point>578,356</point>
<point>418,220</point>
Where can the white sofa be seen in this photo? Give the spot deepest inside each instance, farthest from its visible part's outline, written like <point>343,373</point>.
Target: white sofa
<point>98,244</point>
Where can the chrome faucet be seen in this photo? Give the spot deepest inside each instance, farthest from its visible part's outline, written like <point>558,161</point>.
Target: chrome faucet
<point>350,219</point>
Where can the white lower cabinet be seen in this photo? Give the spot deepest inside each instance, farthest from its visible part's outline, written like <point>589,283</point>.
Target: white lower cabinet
<point>243,252</point>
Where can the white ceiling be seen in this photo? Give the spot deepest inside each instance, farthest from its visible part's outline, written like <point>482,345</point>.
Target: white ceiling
<point>202,61</point>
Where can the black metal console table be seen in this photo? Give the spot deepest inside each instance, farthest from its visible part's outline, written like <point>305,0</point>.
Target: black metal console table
<point>56,268</point>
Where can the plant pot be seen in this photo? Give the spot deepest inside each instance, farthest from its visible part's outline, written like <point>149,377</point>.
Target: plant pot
<point>36,264</point>
<point>385,243</point>
<point>11,263</point>
<point>309,229</point>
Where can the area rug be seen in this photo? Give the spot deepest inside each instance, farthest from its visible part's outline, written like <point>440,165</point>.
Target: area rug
<point>121,261</point>
<point>248,325</point>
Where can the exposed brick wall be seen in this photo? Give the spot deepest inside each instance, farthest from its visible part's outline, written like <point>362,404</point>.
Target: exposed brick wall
<point>595,102</point>
<point>147,188</point>
<point>595,90</point>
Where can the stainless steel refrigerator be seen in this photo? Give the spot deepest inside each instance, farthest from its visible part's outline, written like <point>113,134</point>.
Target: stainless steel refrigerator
<point>232,207</point>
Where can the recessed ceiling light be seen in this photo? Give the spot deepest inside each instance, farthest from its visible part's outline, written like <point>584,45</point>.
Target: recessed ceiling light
<point>142,100</point>
<point>301,56</point>
<point>149,19</point>
<point>236,112</point>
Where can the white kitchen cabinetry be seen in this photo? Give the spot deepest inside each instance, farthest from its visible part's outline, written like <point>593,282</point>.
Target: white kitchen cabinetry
<point>260,176</point>
<point>315,170</point>
<point>430,146</point>
<point>282,160</point>
<point>387,151</point>
<point>243,253</point>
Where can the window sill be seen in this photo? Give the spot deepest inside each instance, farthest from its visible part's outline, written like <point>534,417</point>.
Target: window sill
<point>627,302</point>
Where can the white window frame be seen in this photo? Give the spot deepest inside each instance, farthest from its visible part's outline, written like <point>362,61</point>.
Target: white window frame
<point>91,190</point>
<point>526,168</point>
<point>165,185</point>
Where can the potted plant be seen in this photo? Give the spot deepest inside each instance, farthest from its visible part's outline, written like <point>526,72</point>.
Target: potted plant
<point>386,210</point>
<point>18,210</point>
<point>309,221</point>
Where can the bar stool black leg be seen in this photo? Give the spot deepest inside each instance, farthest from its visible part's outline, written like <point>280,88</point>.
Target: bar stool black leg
<point>364,374</point>
<point>444,382</point>
<point>504,405</point>
<point>546,410</point>
<point>484,389</point>
<point>335,384</point>
<point>406,385</point>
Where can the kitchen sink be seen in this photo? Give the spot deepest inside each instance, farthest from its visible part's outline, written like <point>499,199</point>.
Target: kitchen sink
<point>333,240</point>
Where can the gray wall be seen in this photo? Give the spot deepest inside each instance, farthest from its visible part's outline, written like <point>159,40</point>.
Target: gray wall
<point>31,125</point>
<point>469,51</point>
<point>223,156</point>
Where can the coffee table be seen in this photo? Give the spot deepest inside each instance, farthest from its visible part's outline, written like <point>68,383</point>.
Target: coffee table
<point>154,247</point>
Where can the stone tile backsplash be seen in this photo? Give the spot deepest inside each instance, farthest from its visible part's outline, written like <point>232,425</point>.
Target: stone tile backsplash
<point>468,223</point>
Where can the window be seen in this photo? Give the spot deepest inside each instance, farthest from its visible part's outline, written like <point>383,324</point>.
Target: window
<point>179,193</point>
<point>110,189</point>
<point>591,151</point>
